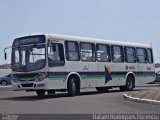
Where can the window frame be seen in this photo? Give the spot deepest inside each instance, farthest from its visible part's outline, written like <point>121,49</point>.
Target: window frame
<point>77,48</point>
<point>93,51</point>
<point>53,63</point>
<point>135,56</point>
<point>108,52</point>
<point>145,59</point>
<point>121,53</point>
<point>150,56</point>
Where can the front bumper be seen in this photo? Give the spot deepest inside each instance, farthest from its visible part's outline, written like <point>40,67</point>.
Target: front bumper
<point>27,85</point>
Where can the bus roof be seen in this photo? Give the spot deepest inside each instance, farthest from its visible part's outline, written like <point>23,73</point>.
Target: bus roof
<point>93,40</point>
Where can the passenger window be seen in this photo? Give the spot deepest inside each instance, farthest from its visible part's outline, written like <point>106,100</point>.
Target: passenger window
<point>130,55</point>
<point>103,53</point>
<point>56,55</point>
<point>150,55</point>
<point>72,51</point>
<point>87,52</point>
<point>141,55</point>
<point>117,54</point>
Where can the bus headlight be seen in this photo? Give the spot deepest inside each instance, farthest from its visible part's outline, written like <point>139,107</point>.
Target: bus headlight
<point>40,77</point>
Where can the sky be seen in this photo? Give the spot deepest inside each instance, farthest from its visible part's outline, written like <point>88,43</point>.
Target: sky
<point>121,20</point>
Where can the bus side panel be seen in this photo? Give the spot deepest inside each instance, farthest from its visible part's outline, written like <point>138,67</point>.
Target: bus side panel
<point>112,74</point>
<point>57,77</point>
<point>145,73</point>
<point>87,71</point>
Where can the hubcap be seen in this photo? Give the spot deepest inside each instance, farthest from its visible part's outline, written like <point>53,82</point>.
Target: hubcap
<point>130,84</point>
<point>74,87</point>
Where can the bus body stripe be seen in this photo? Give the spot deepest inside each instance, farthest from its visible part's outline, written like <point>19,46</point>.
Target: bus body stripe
<point>94,75</point>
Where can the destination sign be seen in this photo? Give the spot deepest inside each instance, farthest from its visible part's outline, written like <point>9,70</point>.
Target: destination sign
<point>29,40</point>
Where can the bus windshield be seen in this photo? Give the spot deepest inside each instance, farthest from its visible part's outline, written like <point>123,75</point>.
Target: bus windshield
<point>28,54</point>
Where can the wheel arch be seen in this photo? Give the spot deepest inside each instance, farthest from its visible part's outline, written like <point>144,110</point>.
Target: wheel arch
<point>73,74</point>
<point>131,74</point>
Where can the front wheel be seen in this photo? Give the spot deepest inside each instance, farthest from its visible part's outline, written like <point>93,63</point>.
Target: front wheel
<point>40,93</point>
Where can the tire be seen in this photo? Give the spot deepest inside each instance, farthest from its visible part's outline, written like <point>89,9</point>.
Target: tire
<point>102,89</point>
<point>4,83</point>
<point>73,87</point>
<point>130,84</point>
<point>40,93</point>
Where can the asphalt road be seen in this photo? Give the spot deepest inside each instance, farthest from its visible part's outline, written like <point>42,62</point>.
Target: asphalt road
<point>89,102</point>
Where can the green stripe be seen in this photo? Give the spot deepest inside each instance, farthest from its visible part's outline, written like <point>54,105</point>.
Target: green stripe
<point>119,76</point>
<point>56,77</point>
<point>98,76</point>
<point>141,75</point>
<point>89,76</point>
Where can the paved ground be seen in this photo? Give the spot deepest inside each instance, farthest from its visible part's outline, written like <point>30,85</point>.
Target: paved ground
<point>90,101</point>
<point>146,96</point>
<point>150,95</point>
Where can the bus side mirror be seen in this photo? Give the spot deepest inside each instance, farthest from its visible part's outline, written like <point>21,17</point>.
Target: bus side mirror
<point>5,56</point>
<point>5,53</point>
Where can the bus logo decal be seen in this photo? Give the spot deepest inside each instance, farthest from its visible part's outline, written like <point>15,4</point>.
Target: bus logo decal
<point>107,74</point>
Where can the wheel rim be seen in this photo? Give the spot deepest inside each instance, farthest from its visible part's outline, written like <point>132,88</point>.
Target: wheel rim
<point>74,87</point>
<point>130,83</point>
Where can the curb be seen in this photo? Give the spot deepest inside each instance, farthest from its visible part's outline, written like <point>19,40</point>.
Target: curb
<point>148,101</point>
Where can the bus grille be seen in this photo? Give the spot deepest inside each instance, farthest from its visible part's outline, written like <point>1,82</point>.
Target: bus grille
<point>27,85</point>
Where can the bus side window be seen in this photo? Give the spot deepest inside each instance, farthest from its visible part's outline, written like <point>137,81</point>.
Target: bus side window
<point>87,52</point>
<point>149,55</point>
<point>117,53</point>
<point>103,53</point>
<point>72,51</point>
<point>130,54</point>
<point>141,55</point>
<point>56,55</point>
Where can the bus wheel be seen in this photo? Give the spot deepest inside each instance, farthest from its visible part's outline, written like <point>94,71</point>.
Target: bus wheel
<point>40,93</point>
<point>73,87</point>
<point>129,84</point>
<point>102,89</point>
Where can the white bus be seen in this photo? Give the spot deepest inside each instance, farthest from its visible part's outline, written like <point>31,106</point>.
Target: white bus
<point>51,62</point>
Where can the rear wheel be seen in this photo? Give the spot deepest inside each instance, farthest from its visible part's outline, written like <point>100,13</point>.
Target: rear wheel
<point>4,83</point>
<point>73,86</point>
<point>40,93</point>
<point>130,84</point>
